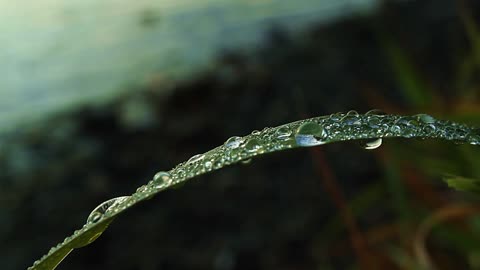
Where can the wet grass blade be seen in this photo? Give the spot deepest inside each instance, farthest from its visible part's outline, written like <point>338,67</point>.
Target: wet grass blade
<point>304,133</point>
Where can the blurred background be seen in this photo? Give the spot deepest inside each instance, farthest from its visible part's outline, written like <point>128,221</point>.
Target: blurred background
<point>97,96</point>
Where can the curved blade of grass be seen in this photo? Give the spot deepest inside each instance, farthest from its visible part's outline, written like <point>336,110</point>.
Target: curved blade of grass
<point>304,133</point>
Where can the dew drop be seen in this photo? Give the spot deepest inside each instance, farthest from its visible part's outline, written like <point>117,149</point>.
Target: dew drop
<point>395,129</point>
<point>373,122</point>
<point>372,144</point>
<point>94,217</point>
<point>141,189</point>
<point>335,117</point>
<point>352,112</point>
<point>283,133</point>
<point>474,136</point>
<point>208,165</point>
<point>310,134</point>
<point>351,118</point>
<point>99,211</point>
<point>375,112</point>
<point>425,118</point>
<point>253,146</point>
<point>413,123</point>
<point>233,142</point>
<point>430,128</point>
<point>162,179</point>
<point>195,158</point>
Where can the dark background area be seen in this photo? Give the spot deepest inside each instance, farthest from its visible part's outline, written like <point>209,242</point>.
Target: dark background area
<point>281,211</point>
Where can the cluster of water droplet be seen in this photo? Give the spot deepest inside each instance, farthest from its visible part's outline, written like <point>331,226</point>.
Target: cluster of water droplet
<point>369,128</point>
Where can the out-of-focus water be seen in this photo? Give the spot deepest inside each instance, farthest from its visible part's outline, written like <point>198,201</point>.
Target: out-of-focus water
<point>58,54</point>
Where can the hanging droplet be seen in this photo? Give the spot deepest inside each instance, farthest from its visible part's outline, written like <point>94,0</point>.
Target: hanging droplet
<point>283,133</point>
<point>372,144</point>
<point>246,161</point>
<point>195,158</point>
<point>162,179</point>
<point>99,211</point>
<point>253,146</point>
<point>233,142</point>
<point>310,134</point>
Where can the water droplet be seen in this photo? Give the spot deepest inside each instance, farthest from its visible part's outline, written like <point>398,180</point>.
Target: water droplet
<point>253,146</point>
<point>413,123</point>
<point>372,144</point>
<point>310,134</point>
<point>141,189</point>
<point>99,211</point>
<point>429,128</point>
<point>94,217</point>
<point>373,121</point>
<point>395,129</point>
<point>255,132</point>
<point>208,165</point>
<point>335,117</point>
<point>217,164</point>
<point>351,118</point>
<point>234,142</point>
<point>162,179</point>
<point>473,136</point>
<point>425,118</point>
<point>375,112</point>
<point>246,161</point>
<point>352,112</point>
<point>195,158</point>
<point>283,133</point>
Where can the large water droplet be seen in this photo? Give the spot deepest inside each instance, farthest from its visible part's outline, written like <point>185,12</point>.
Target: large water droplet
<point>99,211</point>
<point>233,142</point>
<point>310,134</point>
<point>162,179</point>
<point>372,144</point>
